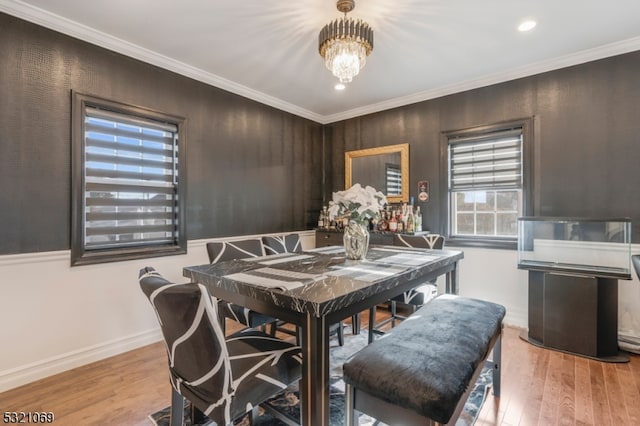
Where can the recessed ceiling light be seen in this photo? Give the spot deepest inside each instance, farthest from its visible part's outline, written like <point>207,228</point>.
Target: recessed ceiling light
<point>527,25</point>
<point>339,86</point>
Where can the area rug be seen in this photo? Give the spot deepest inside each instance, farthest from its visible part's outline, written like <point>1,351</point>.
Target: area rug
<point>287,401</point>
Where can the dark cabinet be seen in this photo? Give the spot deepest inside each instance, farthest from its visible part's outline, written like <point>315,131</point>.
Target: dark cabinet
<point>326,237</point>
<point>576,314</point>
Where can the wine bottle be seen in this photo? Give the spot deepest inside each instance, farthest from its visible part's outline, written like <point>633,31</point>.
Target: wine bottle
<point>411,225</point>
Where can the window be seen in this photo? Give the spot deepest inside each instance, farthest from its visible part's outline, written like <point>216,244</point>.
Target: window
<point>126,167</point>
<point>487,183</point>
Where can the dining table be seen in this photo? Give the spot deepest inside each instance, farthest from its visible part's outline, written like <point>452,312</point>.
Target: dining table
<point>319,287</point>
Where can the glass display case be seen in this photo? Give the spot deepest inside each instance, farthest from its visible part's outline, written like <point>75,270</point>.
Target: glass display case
<point>594,247</point>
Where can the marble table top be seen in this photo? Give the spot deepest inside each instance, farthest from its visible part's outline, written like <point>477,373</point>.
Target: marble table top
<point>321,281</point>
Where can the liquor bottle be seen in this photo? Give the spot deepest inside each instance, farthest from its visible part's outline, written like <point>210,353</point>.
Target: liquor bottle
<point>393,223</point>
<point>403,218</point>
<point>383,225</point>
<point>325,215</point>
<point>411,224</point>
<point>418,220</point>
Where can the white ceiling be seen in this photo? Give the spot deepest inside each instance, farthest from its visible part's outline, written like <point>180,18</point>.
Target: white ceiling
<point>267,49</point>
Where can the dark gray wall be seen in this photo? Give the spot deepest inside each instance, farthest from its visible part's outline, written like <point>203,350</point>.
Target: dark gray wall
<point>251,168</point>
<point>255,169</point>
<point>586,138</point>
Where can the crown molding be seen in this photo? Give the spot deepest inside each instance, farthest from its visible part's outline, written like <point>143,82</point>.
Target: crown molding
<point>98,38</point>
<point>601,52</point>
<point>74,29</point>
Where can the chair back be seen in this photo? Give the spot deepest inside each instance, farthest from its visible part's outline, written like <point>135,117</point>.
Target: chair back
<point>230,250</point>
<point>289,243</point>
<point>188,321</point>
<point>635,259</point>
<point>429,241</point>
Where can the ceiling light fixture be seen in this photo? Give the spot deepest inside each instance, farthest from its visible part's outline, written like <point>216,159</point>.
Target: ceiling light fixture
<point>527,25</point>
<point>345,43</point>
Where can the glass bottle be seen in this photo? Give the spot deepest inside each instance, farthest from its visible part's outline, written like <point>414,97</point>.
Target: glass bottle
<point>411,225</point>
<point>393,223</point>
<point>418,220</point>
<point>325,215</point>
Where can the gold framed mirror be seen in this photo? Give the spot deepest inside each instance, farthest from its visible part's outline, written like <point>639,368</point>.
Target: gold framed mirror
<point>386,168</point>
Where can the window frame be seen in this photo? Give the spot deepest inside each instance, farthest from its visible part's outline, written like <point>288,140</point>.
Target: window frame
<point>80,255</point>
<point>498,242</point>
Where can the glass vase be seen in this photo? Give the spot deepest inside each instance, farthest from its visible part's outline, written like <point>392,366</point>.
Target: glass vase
<point>356,240</point>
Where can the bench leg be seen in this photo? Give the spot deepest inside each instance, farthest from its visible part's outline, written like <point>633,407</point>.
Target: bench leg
<point>497,358</point>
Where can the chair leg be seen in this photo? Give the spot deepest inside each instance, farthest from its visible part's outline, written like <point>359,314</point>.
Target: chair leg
<point>273,328</point>
<point>340,334</point>
<point>355,323</point>
<point>222,319</point>
<point>372,323</point>
<point>197,416</point>
<point>394,308</point>
<point>253,415</point>
<point>177,408</point>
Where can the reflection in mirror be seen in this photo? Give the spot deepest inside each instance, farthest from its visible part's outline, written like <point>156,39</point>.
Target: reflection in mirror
<point>385,168</point>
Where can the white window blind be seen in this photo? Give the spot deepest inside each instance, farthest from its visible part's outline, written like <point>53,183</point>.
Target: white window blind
<point>130,181</point>
<point>394,179</point>
<point>491,161</point>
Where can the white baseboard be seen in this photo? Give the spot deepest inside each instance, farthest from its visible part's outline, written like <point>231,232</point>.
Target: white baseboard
<point>22,375</point>
<point>516,318</point>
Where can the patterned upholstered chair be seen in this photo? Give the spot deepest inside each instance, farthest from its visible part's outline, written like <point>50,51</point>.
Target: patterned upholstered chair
<point>416,297</point>
<point>242,249</point>
<point>277,244</point>
<point>222,378</point>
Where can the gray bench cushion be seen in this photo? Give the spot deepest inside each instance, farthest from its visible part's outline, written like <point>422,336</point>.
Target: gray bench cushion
<point>426,363</point>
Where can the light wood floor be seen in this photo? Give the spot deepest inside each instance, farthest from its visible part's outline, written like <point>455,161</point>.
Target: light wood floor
<point>539,387</point>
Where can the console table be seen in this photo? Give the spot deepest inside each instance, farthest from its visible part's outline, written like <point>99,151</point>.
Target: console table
<point>328,237</point>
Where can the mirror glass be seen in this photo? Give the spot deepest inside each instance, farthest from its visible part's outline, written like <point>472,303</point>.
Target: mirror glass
<point>385,168</point>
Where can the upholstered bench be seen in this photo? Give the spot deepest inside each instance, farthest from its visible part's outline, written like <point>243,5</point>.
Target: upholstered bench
<point>423,371</point>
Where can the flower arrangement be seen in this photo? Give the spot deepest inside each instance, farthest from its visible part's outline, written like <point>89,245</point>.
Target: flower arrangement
<point>357,203</point>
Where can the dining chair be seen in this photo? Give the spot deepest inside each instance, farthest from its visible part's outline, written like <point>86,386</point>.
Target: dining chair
<point>290,243</point>
<point>223,378</point>
<point>277,244</point>
<point>416,297</point>
<point>231,250</point>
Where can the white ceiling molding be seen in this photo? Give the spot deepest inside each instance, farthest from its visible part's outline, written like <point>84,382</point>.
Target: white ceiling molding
<point>613,49</point>
<point>90,35</point>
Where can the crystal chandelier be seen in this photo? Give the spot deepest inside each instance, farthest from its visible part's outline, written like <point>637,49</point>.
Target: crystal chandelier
<point>345,44</point>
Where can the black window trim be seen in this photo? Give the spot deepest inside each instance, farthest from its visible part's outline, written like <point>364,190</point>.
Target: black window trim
<point>526,124</point>
<point>81,256</point>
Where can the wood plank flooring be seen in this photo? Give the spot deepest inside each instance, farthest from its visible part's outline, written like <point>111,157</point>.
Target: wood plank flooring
<point>539,387</point>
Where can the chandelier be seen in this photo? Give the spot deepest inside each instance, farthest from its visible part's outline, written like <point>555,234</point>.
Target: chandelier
<point>345,44</point>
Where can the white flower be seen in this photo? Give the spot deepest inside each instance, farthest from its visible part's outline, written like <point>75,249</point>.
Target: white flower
<point>357,203</point>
